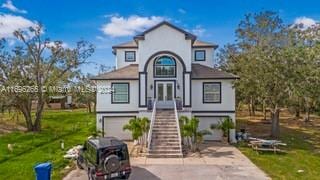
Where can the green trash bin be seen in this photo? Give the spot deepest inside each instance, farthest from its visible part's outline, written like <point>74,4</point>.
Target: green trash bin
<point>43,171</point>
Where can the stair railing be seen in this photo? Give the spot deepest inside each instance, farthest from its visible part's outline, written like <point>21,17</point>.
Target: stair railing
<point>178,124</point>
<point>153,117</point>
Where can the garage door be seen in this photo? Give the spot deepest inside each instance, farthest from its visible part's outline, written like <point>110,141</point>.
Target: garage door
<point>205,123</point>
<point>113,127</point>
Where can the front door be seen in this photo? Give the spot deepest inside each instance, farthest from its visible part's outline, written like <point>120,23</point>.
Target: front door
<point>165,94</point>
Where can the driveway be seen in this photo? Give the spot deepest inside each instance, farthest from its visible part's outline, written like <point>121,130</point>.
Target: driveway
<point>217,161</point>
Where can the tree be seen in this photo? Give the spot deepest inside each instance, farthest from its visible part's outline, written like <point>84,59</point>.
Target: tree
<point>84,92</point>
<point>278,64</point>
<point>35,64</point>
<point>259,63</point>
<point>304,52</point>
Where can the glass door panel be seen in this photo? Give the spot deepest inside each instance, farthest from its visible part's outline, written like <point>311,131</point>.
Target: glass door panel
<point>169,95</point>
<point>160,92</point>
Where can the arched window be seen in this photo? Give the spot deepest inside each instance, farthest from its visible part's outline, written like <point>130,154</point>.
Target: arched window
<point>165,66</point>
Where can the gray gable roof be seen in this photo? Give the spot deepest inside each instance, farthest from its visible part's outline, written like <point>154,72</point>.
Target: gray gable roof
<point>187,34</point>
<point>129,44</point>
<point>204,72</point>
<point>195,43</point>
<point>131,72</point>
<point>202,44</point>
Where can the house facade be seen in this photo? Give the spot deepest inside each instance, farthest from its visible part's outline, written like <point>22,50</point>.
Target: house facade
<point>164,67</point>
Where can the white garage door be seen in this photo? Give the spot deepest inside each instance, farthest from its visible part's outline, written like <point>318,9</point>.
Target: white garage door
<point>205,123</point>
<point>113,127</point>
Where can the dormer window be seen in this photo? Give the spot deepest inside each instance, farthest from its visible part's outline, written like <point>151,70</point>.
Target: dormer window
<point>130,56</point>
<point>200,55</point>
<point>165,66</point>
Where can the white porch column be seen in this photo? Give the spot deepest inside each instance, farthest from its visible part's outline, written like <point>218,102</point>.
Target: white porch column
<point>187,89</point>
<point>142,89</point>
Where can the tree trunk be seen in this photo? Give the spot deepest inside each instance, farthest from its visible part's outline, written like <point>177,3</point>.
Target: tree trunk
<point>264,110</point>
<point>249,109</point>
<point>275,126</point>
<point>307,118</point>
<point>27,115</point>
<point>94,107</point>
<point>37,121</point>
<point>297,112</point>
<point>253,107</point>
<point>89,107</point>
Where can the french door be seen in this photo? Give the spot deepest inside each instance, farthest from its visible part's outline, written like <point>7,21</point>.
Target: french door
<point>165,93</point>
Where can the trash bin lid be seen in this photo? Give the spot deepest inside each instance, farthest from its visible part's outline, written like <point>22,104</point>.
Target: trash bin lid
<point>43,166</point>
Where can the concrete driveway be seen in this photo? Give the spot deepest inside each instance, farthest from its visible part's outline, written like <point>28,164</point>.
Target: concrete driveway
<point>217,161</point>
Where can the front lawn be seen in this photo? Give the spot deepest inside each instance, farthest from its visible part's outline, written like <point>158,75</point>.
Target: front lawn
<point>73,127</point>
<point>302,160</point>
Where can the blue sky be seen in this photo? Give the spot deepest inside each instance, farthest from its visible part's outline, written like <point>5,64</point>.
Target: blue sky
<point>106,23</point>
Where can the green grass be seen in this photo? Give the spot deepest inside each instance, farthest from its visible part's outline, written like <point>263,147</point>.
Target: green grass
<point>32,148</point>
<point>303,153</point>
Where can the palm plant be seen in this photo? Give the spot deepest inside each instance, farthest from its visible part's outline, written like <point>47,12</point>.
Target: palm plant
<point>145,126</point>
<point>139,128</point>
<point>224,125</point>
<point>189,130</point>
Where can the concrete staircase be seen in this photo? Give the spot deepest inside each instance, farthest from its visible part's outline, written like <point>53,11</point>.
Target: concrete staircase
<point>165,140</point>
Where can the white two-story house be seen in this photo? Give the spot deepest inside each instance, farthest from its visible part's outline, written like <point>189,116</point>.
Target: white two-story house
<point>162,67</point>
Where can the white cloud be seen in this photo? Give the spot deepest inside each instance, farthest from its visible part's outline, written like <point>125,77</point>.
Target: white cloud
<point>100,38</point>
<point>122,26</point>
<point>198,30</point>
<point>10,23</point>
<point>305,22</point>
<point>9,5</point>
<point>53,44</point>
<point>111,15</point>
<point>182,11</point>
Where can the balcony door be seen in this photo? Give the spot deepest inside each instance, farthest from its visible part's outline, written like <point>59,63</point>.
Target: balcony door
<point>165,94</point>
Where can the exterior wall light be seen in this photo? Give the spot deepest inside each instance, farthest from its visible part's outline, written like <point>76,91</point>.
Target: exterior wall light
<point>178,86</point>
<point>151,86</point>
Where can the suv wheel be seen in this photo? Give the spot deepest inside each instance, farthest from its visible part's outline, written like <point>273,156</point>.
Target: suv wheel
<point>111,163</point>
<point>125,176</point>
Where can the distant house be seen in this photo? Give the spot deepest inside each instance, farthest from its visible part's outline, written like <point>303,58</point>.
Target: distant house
<point>60,102</point>
<point>163,66</point>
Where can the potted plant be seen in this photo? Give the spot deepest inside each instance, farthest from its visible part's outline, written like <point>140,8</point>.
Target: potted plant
<point>149,103</point>
<point>179,103</point>
<point>225,126</point>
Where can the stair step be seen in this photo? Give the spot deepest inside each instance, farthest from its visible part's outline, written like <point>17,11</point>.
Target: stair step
<point>174,129</point>
<point>155,137</point>
<point>164,123</point>
<point>176,155</point>
<point>164,151</point>
<point>163,141</point>
<point>156,146</point>
<point>164,127</point>
<point>166,133</point>
<point>165,144</point>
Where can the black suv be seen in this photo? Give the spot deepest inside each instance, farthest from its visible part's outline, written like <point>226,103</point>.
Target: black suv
<point>105,158</point>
